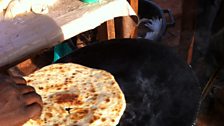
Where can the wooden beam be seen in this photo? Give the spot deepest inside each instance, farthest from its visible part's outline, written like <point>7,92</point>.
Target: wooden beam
<point>111,29</point>
<point>17,45</point>
<point>134,5</point>
<point>30,34</point>
<point>188,22</point>
<point>106,31</point>
<point>126,27</point>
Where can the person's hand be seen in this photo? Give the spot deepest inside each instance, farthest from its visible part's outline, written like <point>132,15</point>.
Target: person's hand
<point>18,102</point>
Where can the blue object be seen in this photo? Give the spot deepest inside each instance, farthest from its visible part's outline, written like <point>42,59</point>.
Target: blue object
<point>90,1</point>
<point>61,50</point>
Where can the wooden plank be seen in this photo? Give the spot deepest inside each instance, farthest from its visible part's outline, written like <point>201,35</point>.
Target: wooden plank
<point>134,5</point>
<point>110,29</point>
<point>31,34</point>
<point>18,44</point>
<point>106,31</point>
<point>125,27</point>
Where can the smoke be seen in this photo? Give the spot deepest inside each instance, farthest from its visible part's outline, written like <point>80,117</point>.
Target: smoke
<point>143,103</point>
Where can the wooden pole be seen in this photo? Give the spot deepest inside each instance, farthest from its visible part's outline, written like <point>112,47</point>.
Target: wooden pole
<point>188,22</point>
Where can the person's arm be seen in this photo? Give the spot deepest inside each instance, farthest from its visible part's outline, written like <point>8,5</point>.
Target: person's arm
<point>18,102</point>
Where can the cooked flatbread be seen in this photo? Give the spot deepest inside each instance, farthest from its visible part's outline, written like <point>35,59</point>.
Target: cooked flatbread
<point>76,95</point>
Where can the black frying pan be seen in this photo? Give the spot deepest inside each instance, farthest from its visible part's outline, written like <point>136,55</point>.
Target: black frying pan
<point>160,89</point>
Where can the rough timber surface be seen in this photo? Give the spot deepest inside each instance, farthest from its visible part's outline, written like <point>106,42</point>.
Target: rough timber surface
<point>68,13</point>
<point>30,33</point>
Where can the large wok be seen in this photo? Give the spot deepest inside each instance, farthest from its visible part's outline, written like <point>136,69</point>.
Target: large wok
<point>160,89</point>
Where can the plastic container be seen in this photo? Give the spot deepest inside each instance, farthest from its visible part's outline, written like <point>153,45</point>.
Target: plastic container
<point>90,1</point>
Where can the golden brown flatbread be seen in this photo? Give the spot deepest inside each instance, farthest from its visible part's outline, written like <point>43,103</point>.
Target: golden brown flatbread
<point>76,95</point>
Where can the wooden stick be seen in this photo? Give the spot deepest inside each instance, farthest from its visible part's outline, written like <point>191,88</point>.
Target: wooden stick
<point>106,31</point>
<point>190,50</point>
<point>210,83</point>
<point>188,23</point>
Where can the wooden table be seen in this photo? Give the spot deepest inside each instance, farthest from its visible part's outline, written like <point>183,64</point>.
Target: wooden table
<point>32,33</point>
